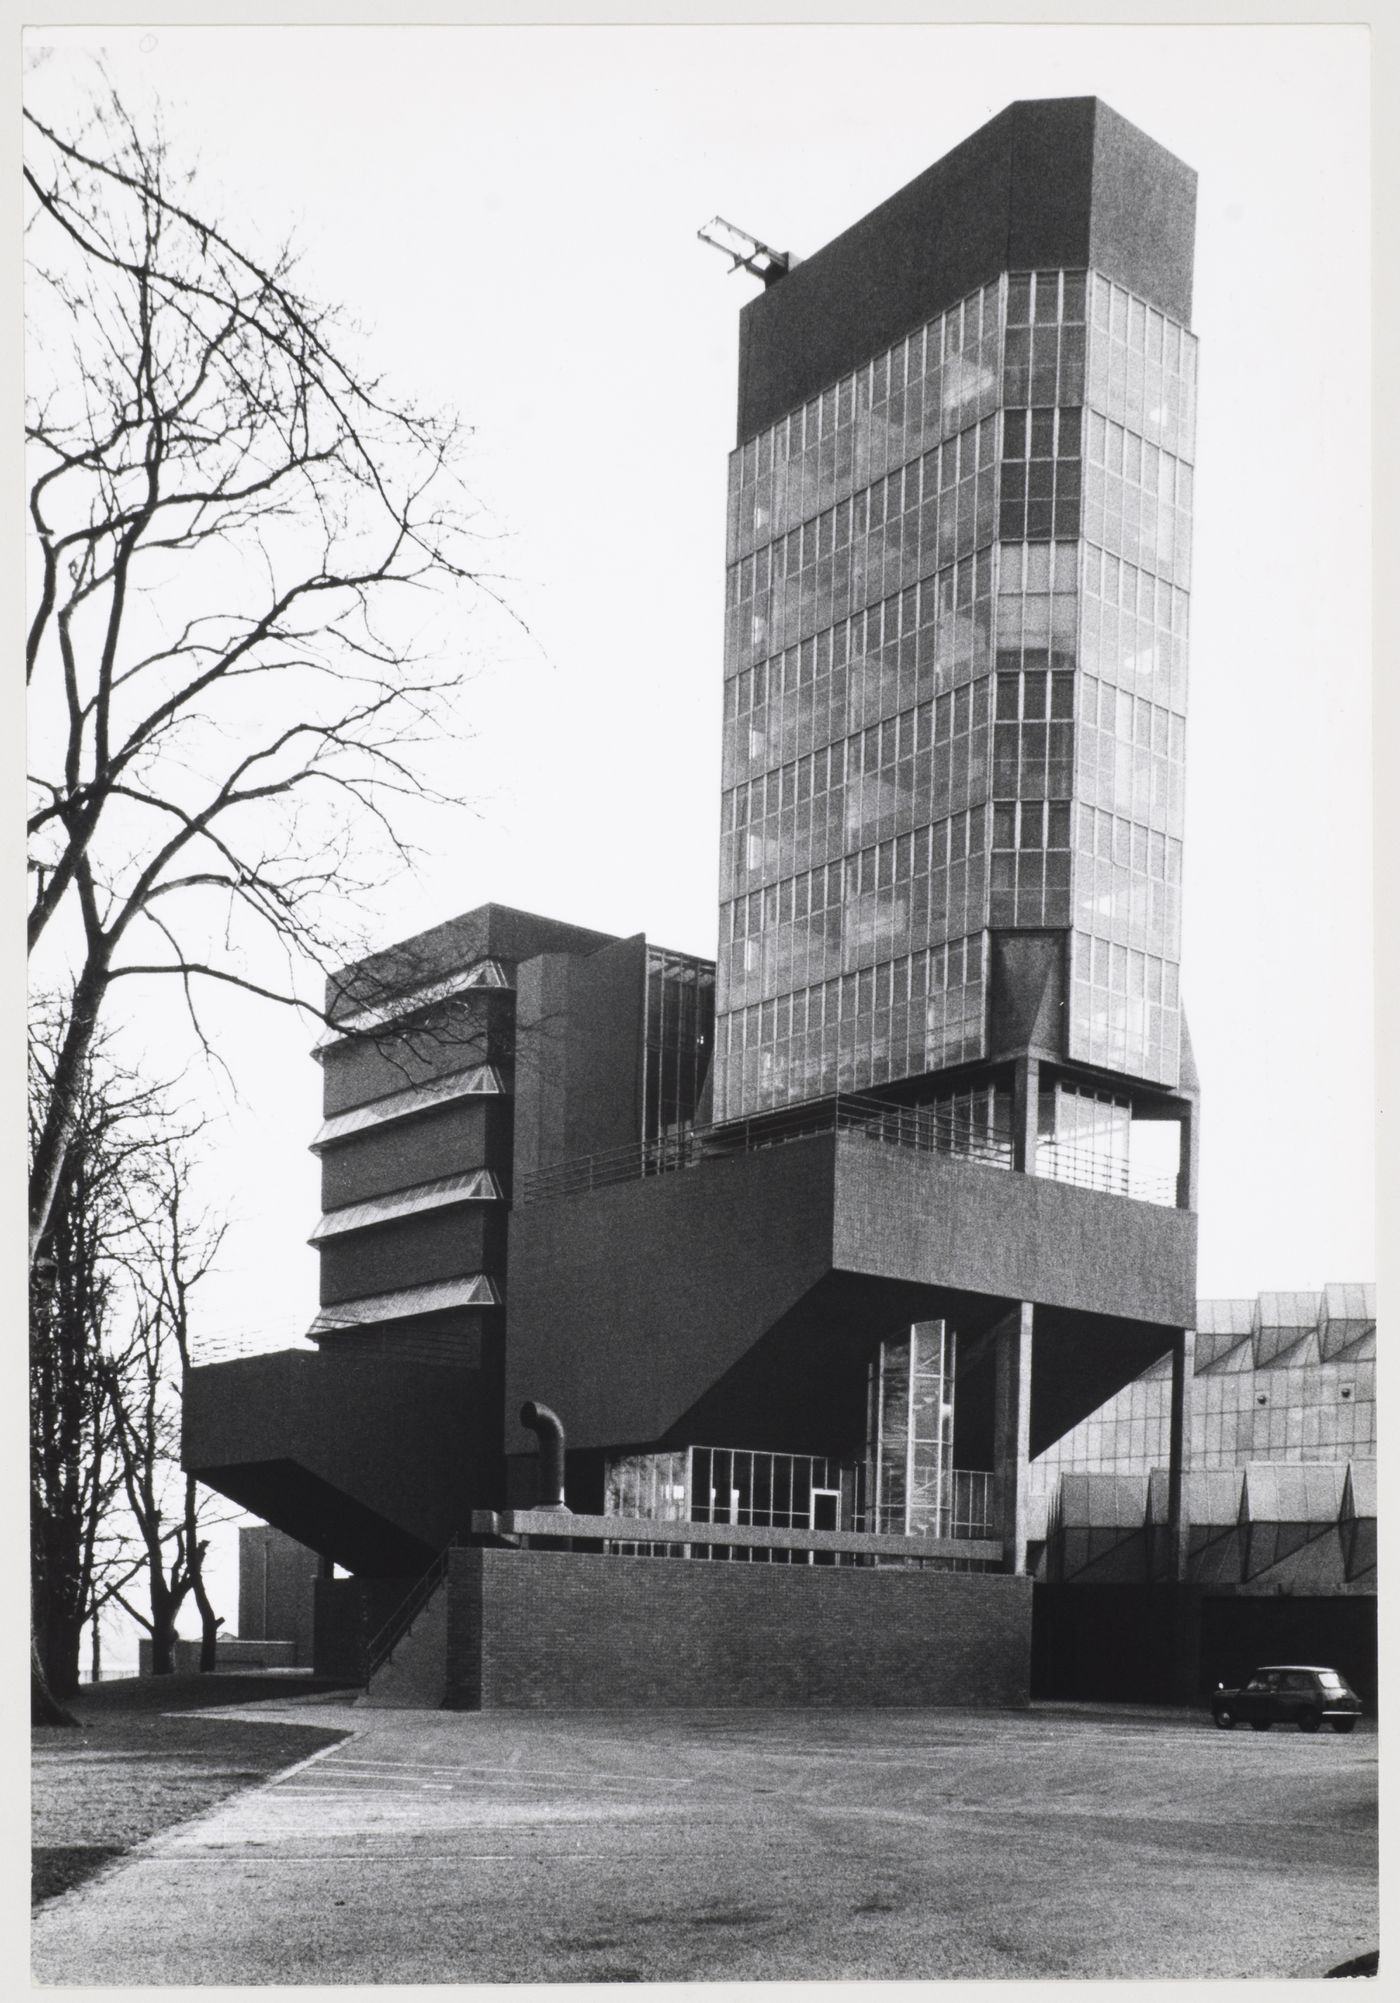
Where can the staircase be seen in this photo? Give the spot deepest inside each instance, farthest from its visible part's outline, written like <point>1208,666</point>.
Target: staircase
<point>408,1657</point>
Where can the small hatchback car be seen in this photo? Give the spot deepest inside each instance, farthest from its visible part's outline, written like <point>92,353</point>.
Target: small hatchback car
<point>1288,1694</point>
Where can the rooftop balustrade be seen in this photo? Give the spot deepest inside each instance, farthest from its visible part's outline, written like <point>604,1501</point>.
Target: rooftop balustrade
<point>1090,1168</point>
<point>925,1129</point>
<point>692,1539</point>
<point>233,1345</point>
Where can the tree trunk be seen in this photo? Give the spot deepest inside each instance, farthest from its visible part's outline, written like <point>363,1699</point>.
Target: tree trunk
<point>44,1707</point>
<point>163,1611</point>
<point>60,1639</point>
<point>51,1148</point>
<point>209,1621</point>
<point>96,1649</point>
<point>209,1625</point>
<point>163,1648</point>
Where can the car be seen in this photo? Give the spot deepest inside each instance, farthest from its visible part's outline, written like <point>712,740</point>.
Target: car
<point>1288,1693</point>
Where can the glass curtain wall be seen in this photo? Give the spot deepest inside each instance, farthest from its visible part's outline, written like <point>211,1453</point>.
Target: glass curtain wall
<point>858,723</point>
<point>1139,446</point>
<point>680,1009</point>
<point>955,694</point>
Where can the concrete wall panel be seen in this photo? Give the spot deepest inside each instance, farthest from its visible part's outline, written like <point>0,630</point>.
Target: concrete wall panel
<point>1143,226</point>
<point>984,1230</point>
<point>580,1040</point>
<point>628,1304</point>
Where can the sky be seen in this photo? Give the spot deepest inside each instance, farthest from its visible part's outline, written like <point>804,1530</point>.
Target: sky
<point>510,217</point>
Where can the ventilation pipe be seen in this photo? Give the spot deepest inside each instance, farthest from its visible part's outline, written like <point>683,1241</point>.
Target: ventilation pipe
<point>548,1428</point>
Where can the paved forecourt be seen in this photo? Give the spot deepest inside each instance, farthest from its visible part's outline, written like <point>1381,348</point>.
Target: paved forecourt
<point>491,1847</point>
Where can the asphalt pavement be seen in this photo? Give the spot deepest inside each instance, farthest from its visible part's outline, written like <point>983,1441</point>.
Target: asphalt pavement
<point>722,1845</point>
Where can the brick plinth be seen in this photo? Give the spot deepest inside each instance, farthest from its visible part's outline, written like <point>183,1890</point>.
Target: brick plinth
<point>559,1631</point>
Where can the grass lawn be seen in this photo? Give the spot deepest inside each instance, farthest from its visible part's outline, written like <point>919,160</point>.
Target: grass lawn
<point>131,1770</point>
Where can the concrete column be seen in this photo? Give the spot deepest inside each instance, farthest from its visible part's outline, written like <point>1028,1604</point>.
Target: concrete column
<point>1183,1384</point>
<point>1188,1174</point>
<point>1025,1113</point>
<point>1012,1439</point>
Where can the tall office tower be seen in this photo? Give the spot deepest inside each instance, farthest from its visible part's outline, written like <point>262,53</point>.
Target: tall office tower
<point>955,675</point>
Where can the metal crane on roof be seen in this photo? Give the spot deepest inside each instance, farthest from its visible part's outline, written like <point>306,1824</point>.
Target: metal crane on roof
<point>746,251</point>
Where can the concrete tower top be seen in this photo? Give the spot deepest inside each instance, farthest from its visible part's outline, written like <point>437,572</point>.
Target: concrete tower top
<point>1049,182</point>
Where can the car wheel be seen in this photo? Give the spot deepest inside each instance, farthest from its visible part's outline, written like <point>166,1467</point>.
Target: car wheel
<point>1225,1720</point>
<point>1343,1724</point>
<point>1308,1721</point>
<point>1260,1724</point>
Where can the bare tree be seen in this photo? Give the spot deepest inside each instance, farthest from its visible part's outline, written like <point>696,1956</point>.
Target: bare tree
<point>231,525</point>
<point>169,1253</point>
<point>75,1475</point>
<point>81,1552</point>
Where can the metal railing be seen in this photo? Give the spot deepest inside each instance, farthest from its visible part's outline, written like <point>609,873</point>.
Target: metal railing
<point>1087,1168</point>
<point>968,1504</point>
<point>690,1538</point>
<point>925,1129</point>
<point>230,1346</point>
<point>382,1645</point>
<point>625,1164</point>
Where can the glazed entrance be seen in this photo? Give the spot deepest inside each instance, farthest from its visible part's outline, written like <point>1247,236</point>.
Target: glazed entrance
<point>904,1484</point>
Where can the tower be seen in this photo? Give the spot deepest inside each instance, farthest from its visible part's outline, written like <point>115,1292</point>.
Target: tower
<point>955,657</point>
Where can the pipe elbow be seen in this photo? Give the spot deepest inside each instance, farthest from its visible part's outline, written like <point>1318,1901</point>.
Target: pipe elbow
<point>548,1429</point>
<point>540,1419</point>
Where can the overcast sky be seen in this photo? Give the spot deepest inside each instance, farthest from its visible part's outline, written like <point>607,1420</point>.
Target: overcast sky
<point>510,215</point>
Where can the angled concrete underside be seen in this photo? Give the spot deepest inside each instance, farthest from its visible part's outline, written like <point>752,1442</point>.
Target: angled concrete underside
<point>364,1459</point>
<point>737,1301</point>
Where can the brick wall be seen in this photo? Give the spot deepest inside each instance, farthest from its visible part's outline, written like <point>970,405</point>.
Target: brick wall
<point>466,1133</point>
<point>470,1028</point>
<point>562,1631</point>
<point>435,1245</point>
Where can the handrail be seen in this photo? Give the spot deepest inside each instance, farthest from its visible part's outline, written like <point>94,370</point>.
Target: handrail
<point>382,1645</point>
<point>235,1346</point>
<point>665,1530</point>
<point>1087,1168</point>
<point>924,1129</point>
